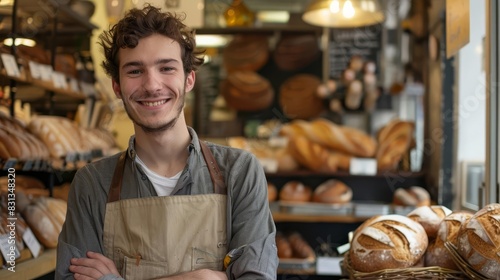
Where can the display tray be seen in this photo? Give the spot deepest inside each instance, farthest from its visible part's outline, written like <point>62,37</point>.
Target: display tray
<point>315,208</point>
<point>296,263</point>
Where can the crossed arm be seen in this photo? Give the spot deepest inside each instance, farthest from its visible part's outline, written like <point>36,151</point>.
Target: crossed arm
<point>96,266</point>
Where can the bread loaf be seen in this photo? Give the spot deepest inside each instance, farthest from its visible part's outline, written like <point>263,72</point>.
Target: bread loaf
<point>314,156</point>
<point>295,191</point>
<point>332,191</point>
<point>347,140</point>
<point>394,139</point>
<point>300,248</point>
<point>284,247</point>
<point>389,242</point>
<point>437,254</point>
<point>413,196</point>
<point>298,98</point>
<point>247,91</point>
<point>294,52</point>
<point>479,241</point>
<point>430,217</point>
<point>246,53</point>
<point>272,192</point>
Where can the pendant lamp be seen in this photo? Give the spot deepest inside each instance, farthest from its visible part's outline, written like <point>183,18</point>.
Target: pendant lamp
<point>343,13</point>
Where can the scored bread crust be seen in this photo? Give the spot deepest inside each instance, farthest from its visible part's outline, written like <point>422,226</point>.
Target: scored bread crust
<point>388,242</point>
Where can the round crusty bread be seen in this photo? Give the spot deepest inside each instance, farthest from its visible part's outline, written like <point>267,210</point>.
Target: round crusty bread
<point>388,242</point>
<point>413,196</point>
<point>332,191</point>
<point>437,254</point>
<point>430,217</point>
<point>479,241</point>
<point>295,191</point>
<point>272,192</point>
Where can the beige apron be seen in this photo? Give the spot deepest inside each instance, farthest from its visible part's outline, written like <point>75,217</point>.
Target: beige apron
<point>152,237</point>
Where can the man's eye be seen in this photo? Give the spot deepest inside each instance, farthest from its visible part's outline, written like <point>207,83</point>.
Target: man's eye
<point>134,72</point>
<point>166,69</point>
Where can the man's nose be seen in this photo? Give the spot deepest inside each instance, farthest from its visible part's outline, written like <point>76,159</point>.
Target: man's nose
<point>151,82</point>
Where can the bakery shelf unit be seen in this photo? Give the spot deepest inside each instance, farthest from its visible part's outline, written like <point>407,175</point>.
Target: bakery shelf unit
<point>323,231</point>
<point>32,268</point>
<point>54,26</point>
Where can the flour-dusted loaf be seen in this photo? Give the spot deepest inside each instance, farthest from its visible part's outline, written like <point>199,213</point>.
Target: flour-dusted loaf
<point>413,196</point>
<point>295,191</point>
<point>388,242</point>
<point>430,217</point>
<point>479,241</point>
<point>332,191</point>
<point>437,254</point>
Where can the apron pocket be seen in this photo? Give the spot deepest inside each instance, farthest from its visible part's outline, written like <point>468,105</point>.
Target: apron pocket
<point>144,269</point>
<point>203,259</point>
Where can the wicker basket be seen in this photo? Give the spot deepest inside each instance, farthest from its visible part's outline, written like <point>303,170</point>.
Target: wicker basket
<point>463,264</point>
<point>430,272</point>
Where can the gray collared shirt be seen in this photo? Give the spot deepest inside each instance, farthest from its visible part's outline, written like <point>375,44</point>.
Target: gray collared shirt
<point>249,219</point>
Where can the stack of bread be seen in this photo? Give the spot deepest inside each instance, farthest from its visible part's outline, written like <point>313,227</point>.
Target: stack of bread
<point>62,136</point>
<point>293,245</point>
<point>331,191</point>
<point>321,145</point>
<point>418,240</point>
<point>17,142</point>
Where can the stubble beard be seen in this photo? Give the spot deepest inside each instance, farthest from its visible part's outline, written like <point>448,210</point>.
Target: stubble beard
<point>162,127</point>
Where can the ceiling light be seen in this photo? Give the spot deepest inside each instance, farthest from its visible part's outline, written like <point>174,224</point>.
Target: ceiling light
<point>211,40</point>
<point>20,41</point>
<point>343,13</point>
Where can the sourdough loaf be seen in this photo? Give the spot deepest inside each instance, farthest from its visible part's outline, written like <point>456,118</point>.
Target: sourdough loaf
<point>388,242</point>
<point>430,217</point>
<point>272,192</point>
<point>479,241</point>
<point>294,52</point>
<point>437,254</point>
<point>246,52</point>
<point>413,196</point>
<point>295,191</point>
<point>332,191</point>
<point>298,98</point>
<point>247,91</point>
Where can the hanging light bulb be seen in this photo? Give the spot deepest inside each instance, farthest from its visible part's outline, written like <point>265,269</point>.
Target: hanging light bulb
<point>343,13</point>
<point>335,6</point>
<point>348,10</point>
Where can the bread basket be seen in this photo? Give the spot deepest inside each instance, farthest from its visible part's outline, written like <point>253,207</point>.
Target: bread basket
<point>462,264</point>
<point>430,272</point>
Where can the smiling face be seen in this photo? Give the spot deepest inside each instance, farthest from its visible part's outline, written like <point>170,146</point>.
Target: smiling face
<point>152,82</point>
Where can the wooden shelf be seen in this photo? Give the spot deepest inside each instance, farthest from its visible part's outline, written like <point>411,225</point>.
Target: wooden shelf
<point>33,268</point>
<point>309,173</point>
<point>285,217</point>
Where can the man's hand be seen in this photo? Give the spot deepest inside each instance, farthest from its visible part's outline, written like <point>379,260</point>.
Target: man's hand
<point>94,266</point>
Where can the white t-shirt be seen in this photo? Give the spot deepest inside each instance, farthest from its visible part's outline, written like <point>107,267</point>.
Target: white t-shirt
<point>163,185</point>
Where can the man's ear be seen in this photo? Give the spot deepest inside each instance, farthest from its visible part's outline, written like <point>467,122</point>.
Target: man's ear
<point>190,79</point>
<point>116,88</point>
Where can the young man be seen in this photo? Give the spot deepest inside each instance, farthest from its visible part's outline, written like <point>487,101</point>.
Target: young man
<point>171,206</point>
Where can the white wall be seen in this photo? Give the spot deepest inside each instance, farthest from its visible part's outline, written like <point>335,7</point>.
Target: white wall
<point>471,89</point>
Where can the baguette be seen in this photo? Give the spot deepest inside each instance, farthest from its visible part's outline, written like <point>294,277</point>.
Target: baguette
<point>312,155</point>
<point>347,140</point>
<point>395,139</point>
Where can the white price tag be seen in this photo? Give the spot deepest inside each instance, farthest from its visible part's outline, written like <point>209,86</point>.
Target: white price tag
<point>35,70</point>
<point>59,80</point>
<point>73,85</point>
<point>9,248</point>
<point>270,165</point>
<point>279,142</point>
<point>363,166</point>
<point>88,89</point>
<point>46,72</point>
<point>10,65</point>
<point>328,266</point>
<point>32,243</point>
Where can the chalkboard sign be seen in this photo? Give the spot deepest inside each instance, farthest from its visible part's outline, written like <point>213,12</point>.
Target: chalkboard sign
<point>346,42</point>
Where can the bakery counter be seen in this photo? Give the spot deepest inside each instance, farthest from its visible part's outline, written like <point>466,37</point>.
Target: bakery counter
<point>32,268</point>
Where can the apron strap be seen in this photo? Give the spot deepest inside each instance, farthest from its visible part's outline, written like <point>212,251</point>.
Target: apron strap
<point>213,169</point>
<point>116,182</point>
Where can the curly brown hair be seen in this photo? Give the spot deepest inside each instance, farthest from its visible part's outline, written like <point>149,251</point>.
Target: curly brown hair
<point>141,23</point>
